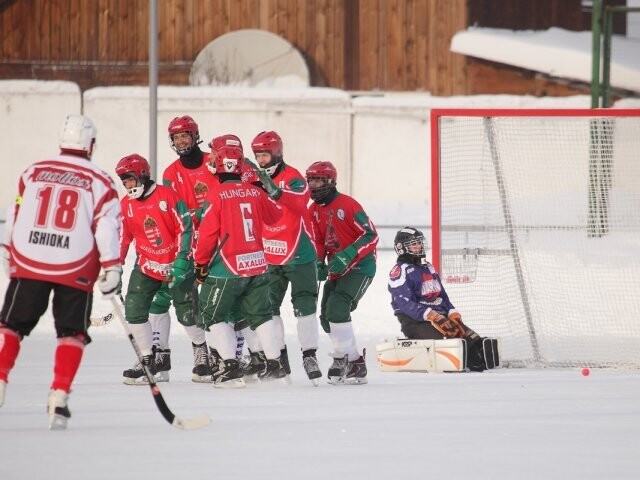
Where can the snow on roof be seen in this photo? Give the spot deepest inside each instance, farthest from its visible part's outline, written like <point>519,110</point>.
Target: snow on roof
<point>556,52</point>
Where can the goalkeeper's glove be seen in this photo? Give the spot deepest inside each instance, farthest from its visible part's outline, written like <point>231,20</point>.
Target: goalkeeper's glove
<point>341,260</point>
<point>271,188</point>
<point>110,283</point>
<point>446,326</point>
<point>467,333</point>
<point>322,271</point>
<point>179,271</point>
<point>202,272</point>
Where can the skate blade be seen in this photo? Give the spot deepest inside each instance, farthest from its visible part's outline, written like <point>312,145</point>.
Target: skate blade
<point>235,383</point>
<point>314,381</point>
<point>201,378</point>
<point>135,381</point>
<point>57,422</point>
<point>252,378</point>
<point>336,381</point>
<point>356,381</point>
<point>160,377</point>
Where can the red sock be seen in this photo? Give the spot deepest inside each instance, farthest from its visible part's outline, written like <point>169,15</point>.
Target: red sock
<point>68,356</point>
<point>9,348</point>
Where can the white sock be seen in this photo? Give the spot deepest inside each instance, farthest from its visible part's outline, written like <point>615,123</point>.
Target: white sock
<point>222,337</point>
<point>344,340</point>
<point>279,323</point>
<point>308,332</point>
<point>268,335</point>
<point>142,334</point>
<point>251,339</point>
<point>196,334</point>
<point>161,328</point>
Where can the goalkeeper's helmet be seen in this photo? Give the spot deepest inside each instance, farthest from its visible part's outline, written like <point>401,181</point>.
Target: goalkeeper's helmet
<point>78,135</point>
<point>324,177</point>
<point>184,124</point>
<point>136,167</point>
<point>271,143</point>
<point>410,246</point>
<point>228,160</point>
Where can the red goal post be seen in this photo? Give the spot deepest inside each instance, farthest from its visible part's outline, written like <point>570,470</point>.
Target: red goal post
<point>533,211</point>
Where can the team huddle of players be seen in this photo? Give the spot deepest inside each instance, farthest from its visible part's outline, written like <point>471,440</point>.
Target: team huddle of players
<point>221,238</point>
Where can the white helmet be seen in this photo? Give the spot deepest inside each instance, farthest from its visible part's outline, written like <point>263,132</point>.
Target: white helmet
<point>78,134</point>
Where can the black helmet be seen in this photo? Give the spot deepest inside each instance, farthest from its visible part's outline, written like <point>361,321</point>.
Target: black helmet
<point>405,244</point>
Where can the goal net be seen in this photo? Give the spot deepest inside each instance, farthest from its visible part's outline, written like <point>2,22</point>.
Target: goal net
<point>536,230</point>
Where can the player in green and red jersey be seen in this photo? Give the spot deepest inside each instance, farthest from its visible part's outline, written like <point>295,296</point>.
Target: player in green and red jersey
<point>160,224</point>
<point>347,239</point>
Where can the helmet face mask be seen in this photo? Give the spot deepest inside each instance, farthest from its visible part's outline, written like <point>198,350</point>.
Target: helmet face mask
<point>219,144</point>
<point>78,135</point>
<point>322,178</point>
<point>184,124</point>
<point>134,167</point>
<point>410,245</point>
<point>271,143</point>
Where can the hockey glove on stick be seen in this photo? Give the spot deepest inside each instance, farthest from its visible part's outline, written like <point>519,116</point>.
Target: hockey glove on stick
<point>179,271</point>
<point>202,272</point>
<point>341,260</point>
<point>445,326</point>
<point>322,271</point>
<point>110,283</point>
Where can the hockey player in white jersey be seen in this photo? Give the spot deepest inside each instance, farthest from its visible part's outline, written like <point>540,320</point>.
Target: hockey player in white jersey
<point>65,229</point>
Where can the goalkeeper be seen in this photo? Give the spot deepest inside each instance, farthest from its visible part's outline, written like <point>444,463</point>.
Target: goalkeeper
<point>421,303</point>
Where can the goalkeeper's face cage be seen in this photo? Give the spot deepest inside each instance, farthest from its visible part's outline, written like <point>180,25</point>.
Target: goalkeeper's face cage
<point>410,245</point>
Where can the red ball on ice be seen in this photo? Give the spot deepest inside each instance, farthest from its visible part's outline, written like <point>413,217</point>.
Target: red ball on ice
<point>586,372</point>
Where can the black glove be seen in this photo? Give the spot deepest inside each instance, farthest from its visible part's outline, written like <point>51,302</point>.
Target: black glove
<point>202,272</point>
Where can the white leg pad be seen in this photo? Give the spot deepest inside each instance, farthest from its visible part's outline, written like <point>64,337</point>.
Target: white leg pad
<point>222,337</point>
<point>430,356</point>
<point>251,339</point>
<point>195,334</point>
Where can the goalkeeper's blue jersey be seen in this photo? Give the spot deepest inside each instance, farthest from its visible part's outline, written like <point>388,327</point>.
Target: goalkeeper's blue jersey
<point>416,289</point>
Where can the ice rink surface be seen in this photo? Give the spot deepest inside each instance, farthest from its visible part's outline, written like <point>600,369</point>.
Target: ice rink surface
<point>503,424</point>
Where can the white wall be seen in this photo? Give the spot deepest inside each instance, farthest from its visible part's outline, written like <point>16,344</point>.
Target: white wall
<point>379,143</point>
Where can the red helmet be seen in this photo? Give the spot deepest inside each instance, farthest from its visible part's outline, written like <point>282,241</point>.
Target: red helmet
<point>228,140</point>
<point>134,166</point>
<point>228,160</point>
<point>326,172</point>
<point>184,124</point>
<point>271,143</point>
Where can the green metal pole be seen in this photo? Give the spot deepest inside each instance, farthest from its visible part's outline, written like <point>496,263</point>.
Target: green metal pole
<point>606,58</point>
<point>596,15</point>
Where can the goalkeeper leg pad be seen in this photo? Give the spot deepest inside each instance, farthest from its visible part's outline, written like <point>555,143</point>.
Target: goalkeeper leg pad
<point>431,356</point>
<point>491,354</point>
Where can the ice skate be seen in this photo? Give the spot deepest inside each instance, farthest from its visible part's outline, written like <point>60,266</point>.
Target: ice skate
<point>201,372</point>
<point>215,362</point>
<point>163,365</point>
<point>257,365</point>
<point>136,374</point>
<point>338,371</point>
<point>357,371</point>
<point>310,364</point>
<point>230,375</point>
<point>58,410</point>
<point>274,371</point>
<point>284,360</point>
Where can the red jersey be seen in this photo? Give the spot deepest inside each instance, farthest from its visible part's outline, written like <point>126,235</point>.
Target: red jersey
<point>342,222</point>
<point>282,241</point>
<point>160,224</point>
<point>191,184</point>
<point>66,223</point>
<point>241,210</point>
